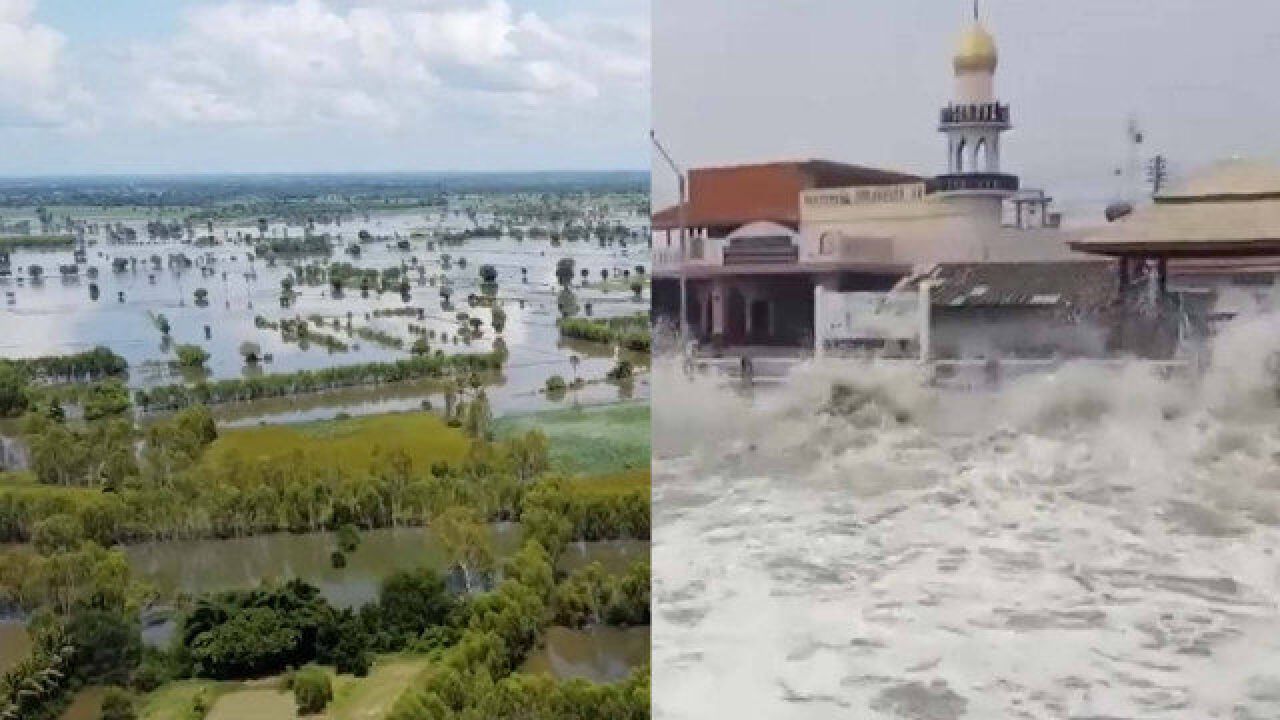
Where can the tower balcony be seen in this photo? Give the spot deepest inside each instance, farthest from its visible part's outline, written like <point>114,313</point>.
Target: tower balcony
<point>992,113</point>
<point>980,182</point>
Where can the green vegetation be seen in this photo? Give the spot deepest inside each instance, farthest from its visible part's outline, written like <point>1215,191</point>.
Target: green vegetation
<point>631,332</point>
<point>312,690</point>
<point>314,245</point>
<point>191,356</point>
<point>438,365</point>
<point>352,445</point>
<point>593,597</point>
<point>592,440</point>
<point>37,242</point>
<point>118,704</point>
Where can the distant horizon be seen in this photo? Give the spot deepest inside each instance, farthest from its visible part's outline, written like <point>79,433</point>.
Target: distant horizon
<point>322,86</point>
<point>645,173</point>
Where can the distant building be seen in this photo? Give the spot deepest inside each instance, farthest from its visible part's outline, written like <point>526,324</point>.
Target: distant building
<point>1217,234</point>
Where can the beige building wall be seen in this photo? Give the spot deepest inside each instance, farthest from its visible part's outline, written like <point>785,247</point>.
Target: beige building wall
<point>901,224</point>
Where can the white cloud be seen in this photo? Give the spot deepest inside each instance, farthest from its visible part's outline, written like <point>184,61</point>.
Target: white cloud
<point>33,86</point>
<point>386,63</point>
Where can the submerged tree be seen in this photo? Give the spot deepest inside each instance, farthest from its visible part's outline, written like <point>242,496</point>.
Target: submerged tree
<point>466,542</point>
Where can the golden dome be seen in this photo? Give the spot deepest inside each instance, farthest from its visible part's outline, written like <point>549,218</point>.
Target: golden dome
<point>977,51</point>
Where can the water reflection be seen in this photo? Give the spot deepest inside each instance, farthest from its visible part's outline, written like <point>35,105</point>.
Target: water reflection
<point>603,654</point>
<point>198,566</point>
<point>58,317</point>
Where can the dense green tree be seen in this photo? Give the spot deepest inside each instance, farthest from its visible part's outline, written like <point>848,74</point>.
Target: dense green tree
<point>57,533</point>
<point>108,644</point>
<point>466,542</point>
<point>13,390</point>
<point>409,604</point>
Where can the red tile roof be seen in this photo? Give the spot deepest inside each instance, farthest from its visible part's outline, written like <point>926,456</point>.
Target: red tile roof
<point>731,196</point>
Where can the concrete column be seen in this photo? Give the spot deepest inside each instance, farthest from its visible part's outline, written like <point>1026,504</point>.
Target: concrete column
<point>822,285</point>
<point>748,298</point>
<point>772,306</point>
<point>926,321</point>
<point>719,298</point>
<point>819,325</point>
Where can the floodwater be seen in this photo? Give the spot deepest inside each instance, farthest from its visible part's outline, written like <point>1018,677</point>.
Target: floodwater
<point>199,566</point>
<point>57,316</point>
<point>14,643</point>
<point>1090,543</point>
<point>602,654</point>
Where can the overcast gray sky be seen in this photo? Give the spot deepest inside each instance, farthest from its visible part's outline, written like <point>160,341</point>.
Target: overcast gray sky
<point>861,81</point>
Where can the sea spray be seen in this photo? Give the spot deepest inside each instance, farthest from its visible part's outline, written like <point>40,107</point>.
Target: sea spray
<point>1095,541</point>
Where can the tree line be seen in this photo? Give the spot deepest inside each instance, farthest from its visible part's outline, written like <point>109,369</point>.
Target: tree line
<point>631,332</point>
<point>436,365</point>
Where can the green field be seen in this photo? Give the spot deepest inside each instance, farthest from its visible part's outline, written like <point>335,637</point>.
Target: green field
<point>171,701</point>
<point>591,440</point>
<point>36,242</point>
<point>347,443</point>
<point>371,698</point>
<point>366,698</point>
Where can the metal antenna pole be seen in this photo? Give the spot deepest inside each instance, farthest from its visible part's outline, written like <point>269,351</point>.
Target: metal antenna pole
<point>681,209</point>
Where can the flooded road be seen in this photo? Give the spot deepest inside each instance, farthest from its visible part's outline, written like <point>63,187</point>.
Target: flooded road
<point>1091,543</point>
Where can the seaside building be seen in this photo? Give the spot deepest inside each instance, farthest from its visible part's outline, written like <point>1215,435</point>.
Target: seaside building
<point>1216,236</point>
<point>765,240</point>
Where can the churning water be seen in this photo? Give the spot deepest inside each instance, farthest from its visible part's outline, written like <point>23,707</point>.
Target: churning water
<point>1091,543</point>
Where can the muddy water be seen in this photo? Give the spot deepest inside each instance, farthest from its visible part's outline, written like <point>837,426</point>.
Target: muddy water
<point>1090,543</point>
<point>197,566</point>
<point>602,654</point>
<point>14,643</point>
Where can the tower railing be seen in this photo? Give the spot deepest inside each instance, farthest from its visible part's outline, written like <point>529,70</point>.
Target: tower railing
<point>980,181</point>
<point>992,112</point>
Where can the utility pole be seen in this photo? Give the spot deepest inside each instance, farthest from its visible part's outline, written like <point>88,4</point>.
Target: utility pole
<point>680,210</point>
<point>1157,173</point>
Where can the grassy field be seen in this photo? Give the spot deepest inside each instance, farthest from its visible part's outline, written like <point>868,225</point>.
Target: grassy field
<point>592,440</point>
<point>171,701</point>
<point>371,698</point>
<point>347,443</point>
<point>257,702</point>
<point>366,698</point>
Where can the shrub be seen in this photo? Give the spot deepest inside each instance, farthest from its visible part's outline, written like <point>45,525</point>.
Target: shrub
<point>312,690</point>
<point>191,356</point>
<point>117,704</point>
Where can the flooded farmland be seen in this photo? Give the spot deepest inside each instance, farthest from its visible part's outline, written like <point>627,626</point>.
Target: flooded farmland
<point>140,282</point>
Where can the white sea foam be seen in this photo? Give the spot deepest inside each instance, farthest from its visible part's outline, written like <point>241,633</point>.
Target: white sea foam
<point>1098,542</point>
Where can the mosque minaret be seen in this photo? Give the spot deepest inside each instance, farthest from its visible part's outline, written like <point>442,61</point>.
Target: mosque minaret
<point>975,119</point>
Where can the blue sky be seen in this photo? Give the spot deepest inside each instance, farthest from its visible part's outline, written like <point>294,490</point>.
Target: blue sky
<point>323,85</point>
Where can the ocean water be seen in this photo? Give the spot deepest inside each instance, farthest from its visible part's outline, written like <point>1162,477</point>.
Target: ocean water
<point>1088,543</point>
